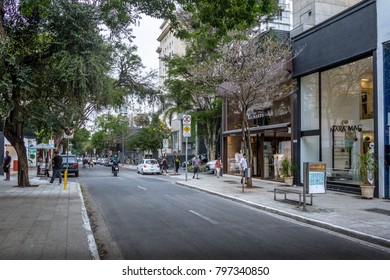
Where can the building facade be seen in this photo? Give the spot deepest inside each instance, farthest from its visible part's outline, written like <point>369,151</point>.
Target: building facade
<point>170,46</point>
<point>341,106</point>
<point>383,92</point>
<point>270,123</point>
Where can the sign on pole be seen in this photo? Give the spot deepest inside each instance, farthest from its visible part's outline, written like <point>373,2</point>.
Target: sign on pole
<point>68,133</point>
<point>165,143</point>
<point>187,126</point>
<point>186,135</point>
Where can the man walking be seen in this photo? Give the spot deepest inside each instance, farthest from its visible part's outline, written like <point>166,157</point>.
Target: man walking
<point>196,165</point>
<point>243,167</point>
<point>57,166</point>
<point>6,166</point>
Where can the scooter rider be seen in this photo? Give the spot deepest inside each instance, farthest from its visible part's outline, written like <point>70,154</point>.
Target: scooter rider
<point>114,164</point>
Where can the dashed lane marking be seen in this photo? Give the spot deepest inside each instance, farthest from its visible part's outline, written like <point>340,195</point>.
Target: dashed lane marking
<point>203,217</point>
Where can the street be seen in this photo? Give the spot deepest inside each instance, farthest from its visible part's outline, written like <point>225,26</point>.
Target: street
<point>141,217</point>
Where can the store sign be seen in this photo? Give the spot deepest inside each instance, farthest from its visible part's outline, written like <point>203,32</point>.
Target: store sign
<point>347,128</point>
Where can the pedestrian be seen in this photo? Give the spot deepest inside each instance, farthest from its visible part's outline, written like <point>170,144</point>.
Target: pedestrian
<point>57,166</point>
<point>243,168</point>
<point>165,165</point>
<point>177,164</point>
<point>196,166</point>
<point>6,166</point>
<point>218,167</point>
<point>47,166</point>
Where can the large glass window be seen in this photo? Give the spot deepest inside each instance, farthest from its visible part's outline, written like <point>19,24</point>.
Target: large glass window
<point>347,106</point>
<point>309,102</point>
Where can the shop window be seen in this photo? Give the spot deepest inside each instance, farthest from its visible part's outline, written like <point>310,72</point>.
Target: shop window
<point>310,102</point>
<point>347,112</point>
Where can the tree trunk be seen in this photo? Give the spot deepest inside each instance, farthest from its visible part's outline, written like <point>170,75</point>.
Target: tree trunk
<point>246,137</point>
<point>14,133</point>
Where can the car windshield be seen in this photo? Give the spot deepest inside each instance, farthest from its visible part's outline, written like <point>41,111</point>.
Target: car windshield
<point>151,161</point>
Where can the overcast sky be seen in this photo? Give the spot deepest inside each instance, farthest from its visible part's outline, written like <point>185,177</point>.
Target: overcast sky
<point>146,40</point>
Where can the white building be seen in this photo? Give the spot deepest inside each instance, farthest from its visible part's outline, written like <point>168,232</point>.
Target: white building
<point>170,46</point>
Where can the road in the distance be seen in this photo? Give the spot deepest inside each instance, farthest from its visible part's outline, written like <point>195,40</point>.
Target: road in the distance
<point>150,217</point>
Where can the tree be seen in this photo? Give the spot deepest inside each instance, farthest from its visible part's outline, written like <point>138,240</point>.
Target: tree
<point>81,137</point>
<point>256,72</point>
<point>109,133</point>
<point>150,138</point>
<point>192,80</point>
<point>55,63</point>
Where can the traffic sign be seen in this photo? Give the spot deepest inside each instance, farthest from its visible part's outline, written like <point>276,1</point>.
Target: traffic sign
<point>187,119</point>
<point>68,133</point>
<point>186,130</point>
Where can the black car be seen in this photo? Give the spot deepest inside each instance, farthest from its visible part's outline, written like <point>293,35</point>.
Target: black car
<point>72,163</point>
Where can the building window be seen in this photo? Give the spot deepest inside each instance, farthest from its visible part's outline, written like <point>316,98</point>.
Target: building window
<point>310,102</point>
<point>347,124</point>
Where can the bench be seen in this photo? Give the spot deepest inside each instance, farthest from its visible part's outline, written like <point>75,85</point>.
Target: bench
<point>293,190</point>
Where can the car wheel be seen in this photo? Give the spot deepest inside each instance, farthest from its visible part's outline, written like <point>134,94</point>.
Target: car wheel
<point>142,172</point>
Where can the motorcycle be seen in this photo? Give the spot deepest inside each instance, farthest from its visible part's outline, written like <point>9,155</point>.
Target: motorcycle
<point>115,170</point>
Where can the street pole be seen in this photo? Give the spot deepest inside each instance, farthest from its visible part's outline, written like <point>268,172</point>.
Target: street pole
<point>186,157</point>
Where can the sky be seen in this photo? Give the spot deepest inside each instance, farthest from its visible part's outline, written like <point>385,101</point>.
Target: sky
<point>146,40</point>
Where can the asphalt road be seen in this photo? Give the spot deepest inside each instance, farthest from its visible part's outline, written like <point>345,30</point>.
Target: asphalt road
<point>150,217</point>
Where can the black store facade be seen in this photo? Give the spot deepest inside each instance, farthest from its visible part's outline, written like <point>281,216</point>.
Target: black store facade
<point>335,105</point>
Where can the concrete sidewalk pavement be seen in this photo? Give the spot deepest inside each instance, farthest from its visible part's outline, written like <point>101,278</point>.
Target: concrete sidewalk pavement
<point>44,222</point>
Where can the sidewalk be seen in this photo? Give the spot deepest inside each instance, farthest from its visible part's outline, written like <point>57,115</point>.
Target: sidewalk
<point>44,222</point>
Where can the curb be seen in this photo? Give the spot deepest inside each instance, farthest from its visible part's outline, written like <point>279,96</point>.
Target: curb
<point>342,230</point>
<point>87,226</point>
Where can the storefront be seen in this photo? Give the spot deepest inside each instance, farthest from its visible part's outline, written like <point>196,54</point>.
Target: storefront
<point>337,117</point>
<point>270,137</point>
<point>335,106</point>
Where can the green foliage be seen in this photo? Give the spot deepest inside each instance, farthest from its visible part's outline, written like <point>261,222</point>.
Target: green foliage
<point>288,167</point>
<point>366,163</point>
<point>110,129</point>
<point>150,138</point>
<point>213,20</point>
<point>80,139</point>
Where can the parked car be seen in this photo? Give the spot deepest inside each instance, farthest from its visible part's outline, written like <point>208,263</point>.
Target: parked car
<point>72,163</point>
<point>148,166</point>
<point>210,166</point>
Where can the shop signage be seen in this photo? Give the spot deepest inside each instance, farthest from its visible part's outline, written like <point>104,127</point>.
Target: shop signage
<point>256,116</point>
<point>345,128</point>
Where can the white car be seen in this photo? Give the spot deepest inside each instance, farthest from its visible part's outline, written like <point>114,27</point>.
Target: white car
<point>148,166</point>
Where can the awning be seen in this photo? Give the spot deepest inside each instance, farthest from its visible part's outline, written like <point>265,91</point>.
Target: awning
<point>259,129</point>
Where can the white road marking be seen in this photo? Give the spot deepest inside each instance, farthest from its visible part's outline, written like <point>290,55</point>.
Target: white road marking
<point>142,188</point>
<point>120,178</point>
<point>203,217</point>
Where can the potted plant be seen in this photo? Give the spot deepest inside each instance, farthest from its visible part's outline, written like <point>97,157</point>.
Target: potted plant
<point>367,165</point>
<point>288,169</point>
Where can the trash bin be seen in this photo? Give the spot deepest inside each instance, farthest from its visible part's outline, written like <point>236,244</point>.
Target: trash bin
<point>15,166</point>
